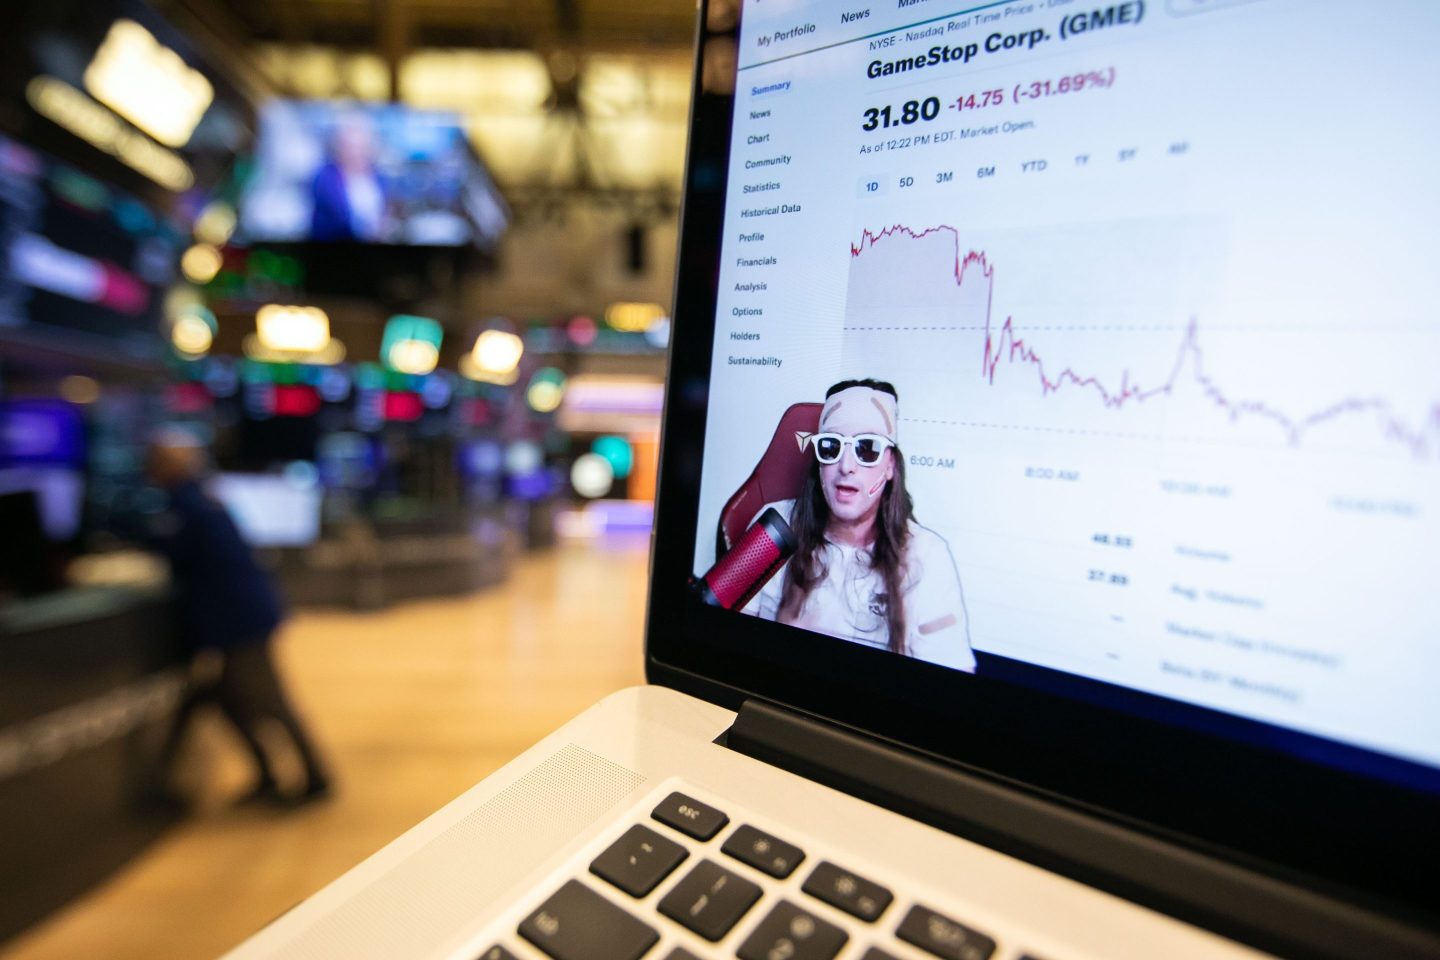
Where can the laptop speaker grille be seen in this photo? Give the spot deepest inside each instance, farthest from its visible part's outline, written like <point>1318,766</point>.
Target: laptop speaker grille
<point>439,890</point>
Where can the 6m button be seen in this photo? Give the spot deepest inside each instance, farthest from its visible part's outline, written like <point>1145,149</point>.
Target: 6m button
<point>690,816</point>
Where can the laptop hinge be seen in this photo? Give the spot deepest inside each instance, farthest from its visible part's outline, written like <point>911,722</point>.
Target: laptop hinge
<point>1240,903</point>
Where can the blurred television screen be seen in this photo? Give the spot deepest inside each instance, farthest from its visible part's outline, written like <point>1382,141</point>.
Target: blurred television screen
<point>42,452</point>
<point>79,259</point>
<point>59,496</point>
<point>270,510</point>
<point>41,432</point>
<point>335,172</point>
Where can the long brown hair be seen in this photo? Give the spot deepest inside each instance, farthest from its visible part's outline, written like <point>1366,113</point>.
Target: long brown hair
<point>887,554</point>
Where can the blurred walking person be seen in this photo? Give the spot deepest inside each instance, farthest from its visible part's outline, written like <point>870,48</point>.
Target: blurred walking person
<point>226,605</point>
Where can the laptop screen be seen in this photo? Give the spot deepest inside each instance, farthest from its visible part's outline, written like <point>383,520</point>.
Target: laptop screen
<point>1091,347</point>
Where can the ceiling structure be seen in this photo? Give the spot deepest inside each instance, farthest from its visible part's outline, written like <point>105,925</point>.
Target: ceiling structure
<point>568,101</point>
<point>634,25</point>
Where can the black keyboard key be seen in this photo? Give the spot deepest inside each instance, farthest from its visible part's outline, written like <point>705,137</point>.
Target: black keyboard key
<point>875,953</point>
<point>577,923</point>
<point>844,890</point>
<point>639,860</point>
<point>709,900</point>
<point>497,952</point>
<point>763,852</point>
<point>680,953</point>
<point>943,937</point>
<point>690,816</point>
<point>793,934</point>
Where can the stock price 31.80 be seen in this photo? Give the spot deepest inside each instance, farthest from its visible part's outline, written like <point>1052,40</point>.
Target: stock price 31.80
<point>911,111</point>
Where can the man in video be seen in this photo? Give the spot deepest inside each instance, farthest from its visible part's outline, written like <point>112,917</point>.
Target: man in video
<point>348,196</point>
<point>859,546</point>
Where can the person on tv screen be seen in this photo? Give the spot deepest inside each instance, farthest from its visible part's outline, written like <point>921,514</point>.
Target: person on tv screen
<point>348,197</point>
<point>859,546</point>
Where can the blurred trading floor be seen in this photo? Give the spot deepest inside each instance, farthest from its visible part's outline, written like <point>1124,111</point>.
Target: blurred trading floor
<point>412,705</point>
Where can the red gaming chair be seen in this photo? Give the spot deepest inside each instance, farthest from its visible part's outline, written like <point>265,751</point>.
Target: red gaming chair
<point>777,476</point>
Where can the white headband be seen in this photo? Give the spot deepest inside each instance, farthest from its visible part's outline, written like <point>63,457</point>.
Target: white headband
<point>857,410</point>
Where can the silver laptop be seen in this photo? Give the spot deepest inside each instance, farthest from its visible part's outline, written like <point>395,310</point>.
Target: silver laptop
<point>1046,549</point>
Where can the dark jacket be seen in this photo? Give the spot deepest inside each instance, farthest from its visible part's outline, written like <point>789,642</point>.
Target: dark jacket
<point>330,215</point>
<point>224,598</point>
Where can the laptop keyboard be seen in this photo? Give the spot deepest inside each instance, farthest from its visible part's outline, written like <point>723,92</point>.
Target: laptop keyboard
<point>718,885</point>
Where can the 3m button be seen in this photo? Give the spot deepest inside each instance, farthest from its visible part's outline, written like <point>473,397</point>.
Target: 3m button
<point>690,816</point>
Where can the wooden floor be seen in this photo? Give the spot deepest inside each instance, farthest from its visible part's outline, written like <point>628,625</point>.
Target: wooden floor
<point>412,706</point>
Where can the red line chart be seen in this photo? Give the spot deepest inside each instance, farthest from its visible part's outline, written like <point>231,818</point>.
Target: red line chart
<point>1006,347</point>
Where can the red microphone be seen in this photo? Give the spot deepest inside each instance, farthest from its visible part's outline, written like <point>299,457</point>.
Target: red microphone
<point>755,558</point>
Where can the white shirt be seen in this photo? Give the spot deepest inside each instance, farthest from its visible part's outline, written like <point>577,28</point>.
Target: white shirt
<point>848,602</point>
<point>367,204</point>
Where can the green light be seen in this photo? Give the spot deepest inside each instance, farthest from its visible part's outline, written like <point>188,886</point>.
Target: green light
<point>80,190</point>
<point>618,451</point>
<point>548,375</point>
<point>405,332</point>
<point>256,371</point>
<point>289,271</point>
<point>369,376</point>
<point>261,263</point>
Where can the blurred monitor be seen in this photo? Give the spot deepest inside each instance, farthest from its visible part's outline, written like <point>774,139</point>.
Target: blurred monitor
<point>27,562</point>
<point>266,440</point>
<point>41,432</point>
<point>348,461</point>
<point>42,455</point>
<point>81,263</point>
<point>57,495</point>
<point>334,172</point>
<point>270,511</point>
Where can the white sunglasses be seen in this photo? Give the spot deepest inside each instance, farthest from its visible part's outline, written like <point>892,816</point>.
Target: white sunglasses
<point>829,447</point>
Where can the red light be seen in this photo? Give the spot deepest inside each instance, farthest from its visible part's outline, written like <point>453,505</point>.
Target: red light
<point>123,292</point>
<point>582,330</point>
<point>477,412</point>
<point>296,401</point>
<point>186,398</point>
<point>403,406</point>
